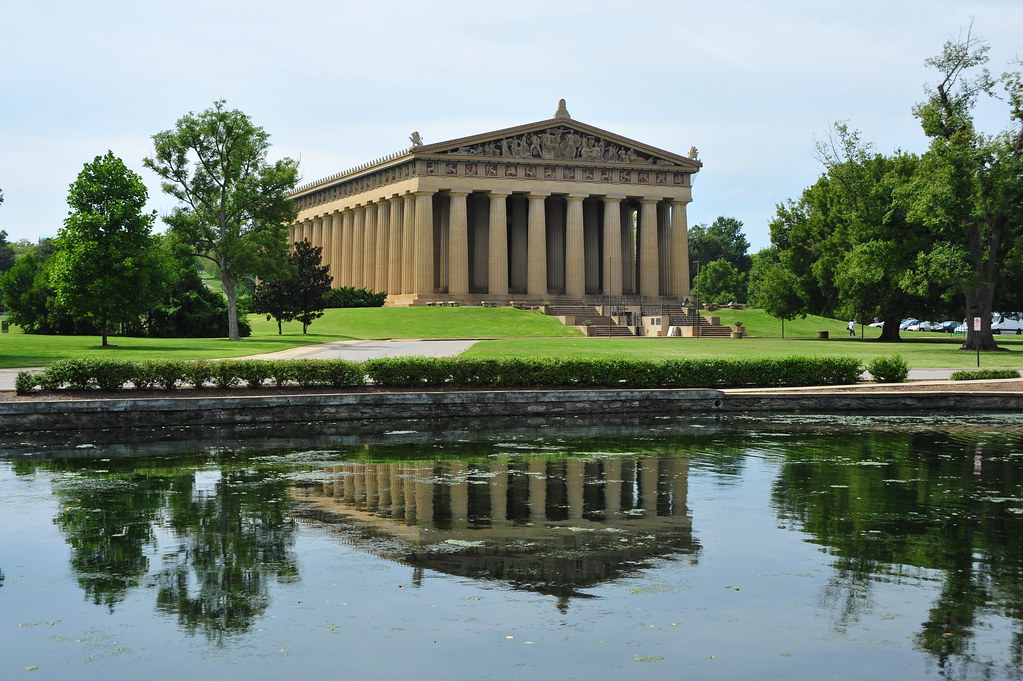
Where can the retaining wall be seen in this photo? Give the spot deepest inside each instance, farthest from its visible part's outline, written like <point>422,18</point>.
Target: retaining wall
<point>44,415</point>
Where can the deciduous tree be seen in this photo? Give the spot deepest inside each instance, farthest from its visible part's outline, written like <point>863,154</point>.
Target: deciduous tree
<point>234,202</point>
<point>969,188</point>
<point>107,267</point>
<point>722,239</point>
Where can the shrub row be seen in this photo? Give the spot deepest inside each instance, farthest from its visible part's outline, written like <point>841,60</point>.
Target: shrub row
<point>610,372</point>
<point>111,375</point>
<point>984,374</point>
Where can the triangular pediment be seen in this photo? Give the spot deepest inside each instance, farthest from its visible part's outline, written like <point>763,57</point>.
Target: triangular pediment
<point>558,140</point>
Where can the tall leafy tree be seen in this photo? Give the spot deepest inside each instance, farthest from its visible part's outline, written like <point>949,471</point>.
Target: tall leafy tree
<point>722,239</point>
<point>848,240</point>
<point>780,294</point>
<point>760,260</point>
<point>107,267</point>
<point>311,283</point>
<point>969,188</point>
<point>234,202</point>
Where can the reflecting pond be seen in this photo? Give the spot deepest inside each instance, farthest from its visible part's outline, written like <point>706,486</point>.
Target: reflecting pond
<point>859,548</point>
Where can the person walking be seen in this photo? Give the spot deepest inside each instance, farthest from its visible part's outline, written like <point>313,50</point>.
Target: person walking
<point>852,329</point>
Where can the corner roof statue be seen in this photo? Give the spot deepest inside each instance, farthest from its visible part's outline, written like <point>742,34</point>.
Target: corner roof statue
<point>556,210</point>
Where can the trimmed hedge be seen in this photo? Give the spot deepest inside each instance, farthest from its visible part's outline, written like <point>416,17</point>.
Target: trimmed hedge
<point>449,372</point>
<point>981,374</point>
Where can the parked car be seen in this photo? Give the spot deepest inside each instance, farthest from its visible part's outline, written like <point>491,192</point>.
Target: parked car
<point>949,327</point>
<point>960,328</point>
<point>1009,323</point>
<point>904,325</point>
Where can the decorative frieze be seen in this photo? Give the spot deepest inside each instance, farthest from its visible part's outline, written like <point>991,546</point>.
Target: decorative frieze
<point>559,143</point>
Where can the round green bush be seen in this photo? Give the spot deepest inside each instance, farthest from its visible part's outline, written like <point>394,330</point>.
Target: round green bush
<point>888,369</point>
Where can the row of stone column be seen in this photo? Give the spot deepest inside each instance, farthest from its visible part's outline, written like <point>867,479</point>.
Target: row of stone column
<point>389,245</point>
<point>399,491</point>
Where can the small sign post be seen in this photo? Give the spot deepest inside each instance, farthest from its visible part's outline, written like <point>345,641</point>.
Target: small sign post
<point>976,339</point>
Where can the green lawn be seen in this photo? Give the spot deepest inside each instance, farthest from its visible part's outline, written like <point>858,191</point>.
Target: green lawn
<point>424,322</point>
<point>24,350</point>
<point>921,353</point>
<point>520,333</point>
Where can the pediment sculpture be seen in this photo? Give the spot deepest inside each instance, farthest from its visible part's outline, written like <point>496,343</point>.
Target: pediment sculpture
<point>558,143</point>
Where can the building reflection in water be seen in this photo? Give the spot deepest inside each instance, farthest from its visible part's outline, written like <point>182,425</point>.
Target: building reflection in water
<point>554,525</point>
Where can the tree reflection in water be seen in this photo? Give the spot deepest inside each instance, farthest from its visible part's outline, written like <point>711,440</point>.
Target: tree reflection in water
<point>910,506</point>
<point>220,536</point>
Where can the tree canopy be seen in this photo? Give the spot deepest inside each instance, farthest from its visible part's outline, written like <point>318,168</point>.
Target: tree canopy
<point>968,190</point>
<point>107,267</point>
<point>721,240</point>
<point>234,205</point>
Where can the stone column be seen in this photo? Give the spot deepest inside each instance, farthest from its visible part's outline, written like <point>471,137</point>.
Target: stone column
<point>536,260</point>
<point>326,255</point>
<point>424,243</point>
<point>317,237</point>
<point>458,245</point>
<point>612,284</point>
<point>575,263</point>
<point>648,477</point>
<point>335,249</point>
<point>537,490</point>
<point>358,246</point>
<point>394,248</point>
<point>347,246</point>
<point>383,227</point>
<point>498,256</point>
<point>369,248</point>
<point>680,248</point>
<point>575,486</point>
<point>408,244</point>
<point>649,274</point>
<point>498,493</point>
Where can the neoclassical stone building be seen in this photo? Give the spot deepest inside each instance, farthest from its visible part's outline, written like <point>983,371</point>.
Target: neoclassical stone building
<point>554,210</point>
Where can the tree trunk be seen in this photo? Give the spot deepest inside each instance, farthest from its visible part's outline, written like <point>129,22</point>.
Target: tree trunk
<point>280,331</point>
<point>890,332</point>
<point>979,302</point>
<point>230,292</point>
<point>103,332</point>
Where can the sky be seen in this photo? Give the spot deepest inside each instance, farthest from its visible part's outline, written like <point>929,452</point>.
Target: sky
<point>753,85</point>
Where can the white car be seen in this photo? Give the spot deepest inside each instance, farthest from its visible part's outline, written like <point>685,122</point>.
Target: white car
<point>1006,323</point>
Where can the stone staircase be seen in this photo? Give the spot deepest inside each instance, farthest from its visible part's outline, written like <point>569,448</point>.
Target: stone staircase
<point>599,325</point>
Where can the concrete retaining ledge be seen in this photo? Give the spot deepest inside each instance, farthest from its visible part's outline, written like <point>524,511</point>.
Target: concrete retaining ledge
<point>48,415</point>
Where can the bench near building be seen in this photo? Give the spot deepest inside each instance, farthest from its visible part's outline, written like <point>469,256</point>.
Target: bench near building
<point>554,211</point>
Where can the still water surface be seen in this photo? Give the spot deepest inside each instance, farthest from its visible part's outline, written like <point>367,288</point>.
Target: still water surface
<point>878,548</point>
